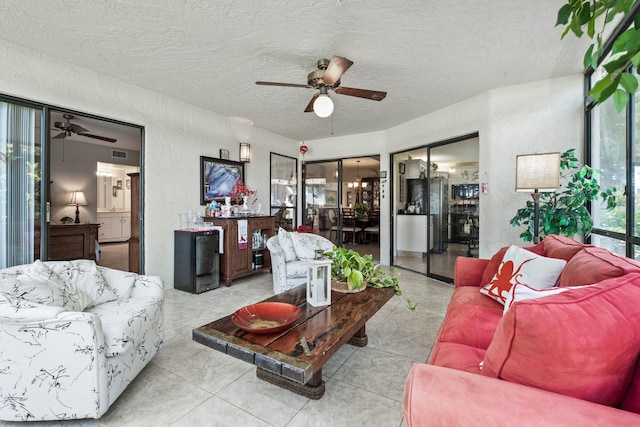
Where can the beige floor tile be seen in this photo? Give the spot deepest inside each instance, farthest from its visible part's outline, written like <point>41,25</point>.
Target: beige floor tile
<point>344,405</point>
<point>188,383</point>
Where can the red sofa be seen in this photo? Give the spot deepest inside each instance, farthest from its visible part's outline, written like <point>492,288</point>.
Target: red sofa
<point>567,359</point>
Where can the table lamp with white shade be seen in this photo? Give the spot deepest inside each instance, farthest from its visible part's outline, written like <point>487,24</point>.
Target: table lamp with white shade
<point>537,173</point>
<point>78,199</point>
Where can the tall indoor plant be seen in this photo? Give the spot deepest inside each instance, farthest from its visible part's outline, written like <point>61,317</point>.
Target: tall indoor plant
<point>592,17</point>
<point>565,211</point>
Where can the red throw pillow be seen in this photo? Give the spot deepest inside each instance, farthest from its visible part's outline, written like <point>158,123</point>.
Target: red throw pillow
<point>582,343</point>
<point>492,268</point>
<point>562,247</point>
<point>593,265</point>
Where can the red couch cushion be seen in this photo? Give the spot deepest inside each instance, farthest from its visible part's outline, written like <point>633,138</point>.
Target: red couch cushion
<point>631,401</point>
<point>494,263</point>
<point>583,342</point>
<point>593,264</point>
<point>457,356</point>
<point>561,247</point>
<point>471,318</point>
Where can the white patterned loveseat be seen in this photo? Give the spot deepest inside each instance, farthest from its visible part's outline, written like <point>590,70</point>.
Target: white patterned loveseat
<point>73,335</point>
<point>289,252</point>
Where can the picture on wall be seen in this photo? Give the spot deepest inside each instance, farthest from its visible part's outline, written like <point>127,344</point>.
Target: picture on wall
<point>217,178</point>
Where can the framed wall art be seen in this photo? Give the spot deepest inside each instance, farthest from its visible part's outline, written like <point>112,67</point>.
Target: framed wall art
<point>217,178</point>
<point>224,154</point>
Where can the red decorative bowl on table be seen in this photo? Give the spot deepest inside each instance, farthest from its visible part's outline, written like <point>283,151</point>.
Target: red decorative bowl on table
<point>266,317</point>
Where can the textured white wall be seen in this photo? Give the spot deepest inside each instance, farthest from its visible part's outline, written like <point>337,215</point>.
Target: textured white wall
<point>176,135</point>
<point>537,117</point>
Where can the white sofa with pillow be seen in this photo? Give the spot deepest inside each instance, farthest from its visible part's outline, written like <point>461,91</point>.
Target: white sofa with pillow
<point>73,335</point>
<point>289,253</point>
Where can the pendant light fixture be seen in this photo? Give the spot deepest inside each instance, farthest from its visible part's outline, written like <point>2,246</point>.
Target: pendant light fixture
<point>358,177</point>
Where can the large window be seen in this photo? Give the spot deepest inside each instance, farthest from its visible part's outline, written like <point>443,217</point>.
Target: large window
<point>20,178</point>
<point>612,146</point>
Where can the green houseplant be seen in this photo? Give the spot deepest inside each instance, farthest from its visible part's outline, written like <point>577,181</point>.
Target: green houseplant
<point>565,211</point>
<point>359,271</point>
<point>593,17</point>
<point>361,209</point>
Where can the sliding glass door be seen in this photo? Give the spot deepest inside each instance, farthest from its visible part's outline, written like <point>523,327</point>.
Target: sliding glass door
<point>342,202</point>
<point>20,183</point>
<point>436,206</point>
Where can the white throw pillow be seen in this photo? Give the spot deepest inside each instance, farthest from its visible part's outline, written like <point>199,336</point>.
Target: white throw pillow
<point>83,274</point>
<point>285,242</point>
<point>305,245</point>
<point>520,266</point>
<point>39,284</point>
<point>524,292</point>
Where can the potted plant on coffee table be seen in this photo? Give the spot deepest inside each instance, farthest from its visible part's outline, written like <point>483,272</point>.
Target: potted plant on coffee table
<point>352,272</point>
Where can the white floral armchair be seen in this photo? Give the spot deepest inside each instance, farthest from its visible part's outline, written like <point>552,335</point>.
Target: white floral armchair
<point>73,335</point>
<point>289,252</point>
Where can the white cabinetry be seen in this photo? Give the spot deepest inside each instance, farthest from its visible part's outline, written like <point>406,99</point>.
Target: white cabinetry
<point>414,168</point>
<point>114,226</point>
<point>412,233</point>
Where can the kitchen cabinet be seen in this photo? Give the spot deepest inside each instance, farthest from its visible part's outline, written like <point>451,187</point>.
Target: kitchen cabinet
<point>115,226</point>
<point>238,258</point>
<point>412,233</point>
<point>413,168</point>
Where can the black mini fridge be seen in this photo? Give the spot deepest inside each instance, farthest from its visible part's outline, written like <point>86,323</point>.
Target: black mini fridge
<point>196,261</point>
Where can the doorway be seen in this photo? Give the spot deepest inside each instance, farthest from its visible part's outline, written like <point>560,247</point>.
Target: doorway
<point>436,206</point>
<point>94,156</point>
<point>342,202</point>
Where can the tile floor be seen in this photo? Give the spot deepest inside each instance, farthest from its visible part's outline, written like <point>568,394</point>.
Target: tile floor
<point>188,384</point>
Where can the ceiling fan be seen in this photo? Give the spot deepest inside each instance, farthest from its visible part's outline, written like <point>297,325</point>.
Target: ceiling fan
<point>68,128</point>
<point>328,77</point>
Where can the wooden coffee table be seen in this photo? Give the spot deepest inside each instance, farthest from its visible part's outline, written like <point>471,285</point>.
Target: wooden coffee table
<point>279,357</point>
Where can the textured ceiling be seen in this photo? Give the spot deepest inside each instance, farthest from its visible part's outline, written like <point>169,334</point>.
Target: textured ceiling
<point>426,54</point>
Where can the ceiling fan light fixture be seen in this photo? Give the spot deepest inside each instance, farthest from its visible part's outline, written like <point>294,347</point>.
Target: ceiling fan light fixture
<point>323,106</point>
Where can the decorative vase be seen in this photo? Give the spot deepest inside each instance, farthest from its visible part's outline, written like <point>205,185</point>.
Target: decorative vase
<point>245,208</point>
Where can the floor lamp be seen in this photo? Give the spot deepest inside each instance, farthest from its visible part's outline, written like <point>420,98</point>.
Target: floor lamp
<point>537,173</point>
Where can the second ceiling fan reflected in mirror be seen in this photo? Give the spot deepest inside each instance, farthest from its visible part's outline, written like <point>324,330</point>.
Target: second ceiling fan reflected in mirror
<point>69,128</point>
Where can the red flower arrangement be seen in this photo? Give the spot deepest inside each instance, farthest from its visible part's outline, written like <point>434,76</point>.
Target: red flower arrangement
<point>305,229</point>
<point>239,190</point>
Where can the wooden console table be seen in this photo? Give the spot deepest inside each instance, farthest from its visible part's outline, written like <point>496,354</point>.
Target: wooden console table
<point>236,262</point>
<point>72,241</point>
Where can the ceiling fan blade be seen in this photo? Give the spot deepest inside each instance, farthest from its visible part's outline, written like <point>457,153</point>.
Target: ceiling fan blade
<point>361,93</point>
<point>102,138</point>
<point>77,128</point>
<point>336,68</point>
<point>309,108</point>
<point>61,135</point>
<point>284,84</point>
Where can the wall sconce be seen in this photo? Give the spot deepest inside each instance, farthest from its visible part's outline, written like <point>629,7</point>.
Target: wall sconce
<point>245,152</point>
<point>78,199</point>
<point>534,173</point>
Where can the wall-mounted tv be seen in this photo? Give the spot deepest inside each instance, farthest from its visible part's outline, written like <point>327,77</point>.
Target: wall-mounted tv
<point>217,178</point>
